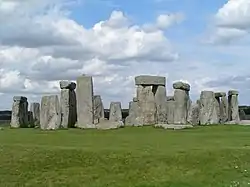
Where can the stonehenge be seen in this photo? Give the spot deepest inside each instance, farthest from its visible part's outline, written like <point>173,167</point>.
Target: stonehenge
<point>78,107</point>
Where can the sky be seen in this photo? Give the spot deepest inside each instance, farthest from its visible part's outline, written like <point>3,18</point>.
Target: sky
<point>201,42</point>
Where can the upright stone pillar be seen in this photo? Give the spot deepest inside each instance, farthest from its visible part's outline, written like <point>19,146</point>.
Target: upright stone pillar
<point>181,97</point>
<point>150,93</point>
<point>68,104</point>
<point>19,116</point>
<point>132,119</point>
<point>98,109</point>
<point>50,114</point>
<point>170,105</point>
<point>233,106</point>
<point>160,100</point>
<point>115,112</point>
<point>35,114</point>
<point>224,109</point>
<point>193,117</point>
<point>85,105</point>
<point>208,111</point>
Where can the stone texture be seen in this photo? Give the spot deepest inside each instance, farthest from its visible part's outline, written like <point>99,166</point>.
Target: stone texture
<point>170,111</point>
<point>181,86</point>
<point>170,98</point>
<point>217,107</point>
<point>146,105</point>
<point>115,112</point>
<point>85,106</point>
<point>68,108</point>
<point>233,92</point>
<point>233,107</point>
<point>242,114</point>
<point>67,85</point>
<point>224,109</point>
<point>220,94</point>
<point>19,115</point>
<point>181,98</point>
<point>161,108</point>
<point>208,112</point>
<point>132,119</point>
<point>135,99</point>
<point>98,109</point>
<point>174,126</point>
<point>107,124</point>
<point>193,117</point>
<point>150,80</point>
<point>50,114</point>
<point>35,114</point>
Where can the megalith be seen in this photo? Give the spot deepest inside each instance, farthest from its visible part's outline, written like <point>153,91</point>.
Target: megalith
<point>170,105</point>
<point>115,112</point>
<point>181,98</point>
<point>35,114</point>
<point>50,114</point>
<point>19,115</point>
<point>242,114</point>
<point>193,116</point>
<point>208,111</point>
<point>68,104</point>
<point>233,106</point>
<point>85,104</point>
<point>132,119</point>
<point>224,109</point>
<point>150,92</point>
<point>98,109</point>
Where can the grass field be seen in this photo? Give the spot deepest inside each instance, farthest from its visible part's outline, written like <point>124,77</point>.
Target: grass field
<point>129,157</point>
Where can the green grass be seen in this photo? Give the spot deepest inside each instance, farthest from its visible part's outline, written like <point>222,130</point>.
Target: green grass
<point>214,156</point>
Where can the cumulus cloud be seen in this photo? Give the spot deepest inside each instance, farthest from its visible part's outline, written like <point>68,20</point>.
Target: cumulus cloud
<point>231,22</point>
<point>40,45</point>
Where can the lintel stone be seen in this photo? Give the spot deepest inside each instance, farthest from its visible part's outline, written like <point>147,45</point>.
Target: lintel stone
<point>150,80</point>
<point>220,94</point>
<point>19,98</point>
<point>67,85</point>
<point>233,92</point>
<point>181,85</point>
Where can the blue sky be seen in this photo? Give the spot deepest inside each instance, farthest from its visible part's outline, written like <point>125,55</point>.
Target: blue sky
<point>202,42</point>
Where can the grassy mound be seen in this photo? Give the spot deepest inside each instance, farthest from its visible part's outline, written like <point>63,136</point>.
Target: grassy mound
<point>129,157</point>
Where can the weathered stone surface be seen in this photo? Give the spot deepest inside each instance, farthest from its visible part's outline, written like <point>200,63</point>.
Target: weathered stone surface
<point>135,99</point>
<point>208,112</point>
<point>35,114</point>
<point>170,111</point>
<point>220,94</point>
<point>146,105</point>
<point>181,86</point>
<point>224,109</point>
<point>242,114</point>
<point>193,117</point>
<point>67,85</point>
<point>170,98</point>
<point>161,108</point>
<point>217,107</point>
<point>233,108</point>
<point>173,126</point>
<point>107,124</point>
<point>19,115</point>
<point>68,108</point>
<point>132,119</point>
<point>233,92</point>
<point>115,112</point>
<point>150,80</point>
<point>85,105</point>
<point>50,114</point>
<point>98,109</point>
<point>181,98</point>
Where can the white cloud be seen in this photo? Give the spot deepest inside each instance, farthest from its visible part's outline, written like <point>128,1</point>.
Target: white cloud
<point>42,45</point>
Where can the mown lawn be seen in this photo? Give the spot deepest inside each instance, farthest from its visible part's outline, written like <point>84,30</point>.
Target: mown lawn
<point>215,156</point>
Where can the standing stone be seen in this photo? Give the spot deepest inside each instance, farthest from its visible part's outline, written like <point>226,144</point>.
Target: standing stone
<point>146,104</point>
<point>208,112</point>
<point>85,108</point>
<point>224,109</point>
<point>170,104</point>
<point>181,97</point>
<point>98,109</point>
<point>242,114</point>
<point>132,119</point>
<point>193,117</point>
<point>68,104</point>
<point>19,115</point>
<point>115,112</point>
<point>161,108</point>
<point>217,107</point>
<point>35,114</point>
<point>50,114</point>
<point>233,106</point>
